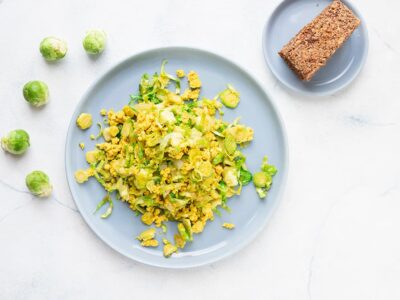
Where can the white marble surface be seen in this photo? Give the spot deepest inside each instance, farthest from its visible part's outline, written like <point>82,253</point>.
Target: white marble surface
<point>336,232</point>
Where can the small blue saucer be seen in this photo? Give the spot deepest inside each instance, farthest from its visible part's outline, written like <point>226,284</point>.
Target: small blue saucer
<point>286,21</point>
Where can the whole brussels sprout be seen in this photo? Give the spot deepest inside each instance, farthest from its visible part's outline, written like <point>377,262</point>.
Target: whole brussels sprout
<point>38,184</point>
<point>16,142</point>
<point>53,48</point>
<point>94,41</point>
<point>36,93</point>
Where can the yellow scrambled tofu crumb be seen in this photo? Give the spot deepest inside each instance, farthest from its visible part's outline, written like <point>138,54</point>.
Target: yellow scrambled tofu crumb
<point>82,145</point>
<point>198,226</point>
<point>180,73</point>
<point>179,241</point>
<point>92,137</point>
<point>84,121</point>
<point>194,80</point>
<point>149,243</point>
<point>147,218</point>
<point>228,225</point>
<point>114,131</point>
<point>147,235</point>
<point>169,249</point>
<point>189,94</point>
<point>128,111</point>
<point>103,112</point>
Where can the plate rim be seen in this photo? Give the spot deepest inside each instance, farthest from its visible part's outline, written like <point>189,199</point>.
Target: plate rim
<point>305,92</point>
<point>249,238</point>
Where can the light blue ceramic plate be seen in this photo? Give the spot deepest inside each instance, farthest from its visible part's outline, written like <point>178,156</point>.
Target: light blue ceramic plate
<point>249,213</point>
<point>287,19</point>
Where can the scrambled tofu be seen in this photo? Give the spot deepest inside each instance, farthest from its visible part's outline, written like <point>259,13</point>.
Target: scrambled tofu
<point>169,159</point>
<point>228,225</point>
<point>146,238</point>
<point>146,235</point>
<point>149,243</point>
<point>194,80</point>
<point>189,94</point>
<point>169,249</point>
<point>180,73</point>
<point>179,241</point>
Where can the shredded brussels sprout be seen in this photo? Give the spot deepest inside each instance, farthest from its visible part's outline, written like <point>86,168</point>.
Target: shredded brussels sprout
<point>230,97</point>
<point>263,180</point>
<point>106,199</point>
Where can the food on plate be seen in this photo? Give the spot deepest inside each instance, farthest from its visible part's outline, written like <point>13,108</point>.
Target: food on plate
<point>94,41</point>
<point>106,199</point>
<point>263,180</point>
<point>148,234</point>
<point>84,121</point>
<point>82,176</point>
<point>53,48</point>
<point>230,97</point>
<point>170,157</point>
<point>180,241</point>
<point>228,225</point>
<point>312,47</point>
<point>16,142</point>
<point>100,134</point>
<point>180,73</point>
<point>39,184</point>
<point>146,238</point>
<point>169,249</point>
<point>194,80</point>
<point>36,93</point>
